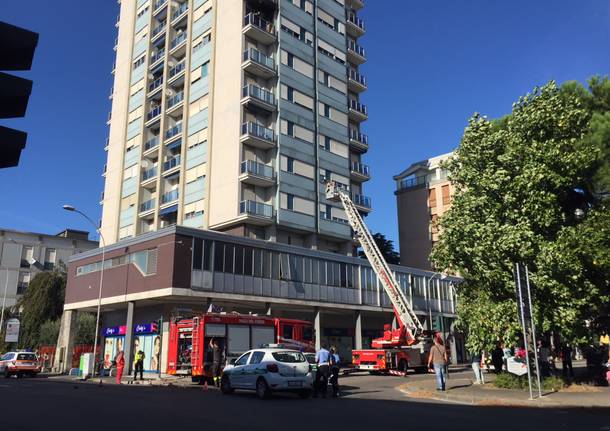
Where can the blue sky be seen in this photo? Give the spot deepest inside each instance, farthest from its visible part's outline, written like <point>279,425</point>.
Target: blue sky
<point>430,66</point>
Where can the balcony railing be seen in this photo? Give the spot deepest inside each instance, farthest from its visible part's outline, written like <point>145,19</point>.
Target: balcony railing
<point>158,29</point>
<point>148,205</point>
<point>409,183</point>
<point>257,21</point>
<point>178,40</point>
<point>176,69</point>
<point>260,58</point>
<point>183,8</point>
<point>159,3</point>
<point>170,133</point>
<point>258,93</point>
<point>149,173</point>
<point>173,101</point>
<point>357,106</point>
<point>24,263</point>
<point>361,168</point>
<point>358,22</point>
<point>357,48</point>
<point>256,208</point>
<point>157,56</point>
<point>256,168</point>
<point>153,113</point>
<point>151,143</point>
<point>355,76</point>
<point>155,84</point>
<point>361,200</point>
<point>170,196</point>
<point>48,266</point>
<point>171,163</point>
<point>360,137</point>
<point>258,131</point>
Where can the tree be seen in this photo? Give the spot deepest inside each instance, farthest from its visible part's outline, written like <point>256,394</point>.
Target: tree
<point>49,331</point>
<point>386,247</point>
<point>519,183</point>
<point>43,301</point>
<point>85,328</point>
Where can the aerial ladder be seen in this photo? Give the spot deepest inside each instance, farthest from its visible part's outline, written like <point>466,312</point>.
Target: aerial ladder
<point>395,353</point>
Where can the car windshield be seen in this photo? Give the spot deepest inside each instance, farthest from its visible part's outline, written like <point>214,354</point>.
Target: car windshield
<point>26,357</point>
<point>6,357</point>
<point>311,358</point>
<point>288,357</point>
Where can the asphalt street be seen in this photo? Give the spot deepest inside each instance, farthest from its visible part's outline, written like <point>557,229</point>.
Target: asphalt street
<point>369,402</point>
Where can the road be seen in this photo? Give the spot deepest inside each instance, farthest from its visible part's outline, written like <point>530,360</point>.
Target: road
<point>370,402</point>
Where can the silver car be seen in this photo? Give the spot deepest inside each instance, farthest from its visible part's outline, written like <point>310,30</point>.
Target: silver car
<point>269,370</point>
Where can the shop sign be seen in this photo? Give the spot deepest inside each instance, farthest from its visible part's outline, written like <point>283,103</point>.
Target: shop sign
<point>115,331</point>
<point>146,328</point>
<point>12,331</point>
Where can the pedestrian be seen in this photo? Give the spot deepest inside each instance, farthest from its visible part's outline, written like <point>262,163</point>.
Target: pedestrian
<point>334,361</point>
<point>438,358</point>
<point>321,383</point>
<point>566,361</point>
<point>497,359</point>
<point>477,361</point>
<point>138,365</point>
<point>119,360</point>
<point>506,355</point>
<point>216,361</point>
<point>543,359</point>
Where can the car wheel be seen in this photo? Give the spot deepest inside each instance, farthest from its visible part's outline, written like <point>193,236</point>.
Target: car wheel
<point>225,386</point>
<point>262,389</point>
<point>304,394</point>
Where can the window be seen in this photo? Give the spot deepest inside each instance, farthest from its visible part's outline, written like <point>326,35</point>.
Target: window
<point>248,252</point>
<point>139,62</point>
<point>207,255</point>
<point>242,360</point>
<point>142,12</point>
<point>287,332</point>
<point>446,195</point>
<point>290,164</point>
<point>289,357</point>
<point>257,358</point>
<point>197,253</point>
<point>49,259</point>
<point>432,198</point>
<point>239,260</point>
<point>219,250</point>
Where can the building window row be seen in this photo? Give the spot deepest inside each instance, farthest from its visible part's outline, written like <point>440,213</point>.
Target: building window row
<point>145,261</point>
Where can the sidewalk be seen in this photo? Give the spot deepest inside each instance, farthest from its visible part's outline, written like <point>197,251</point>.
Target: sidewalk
<point>149,380</point>
<point>460,389</point>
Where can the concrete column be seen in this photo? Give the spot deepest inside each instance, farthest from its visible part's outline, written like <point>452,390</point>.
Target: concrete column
<point>271,233</point>
<point>268,308</point>
<point>358,331</point>
<point>65,342</point>
<point>317,326</point>
<point>129,337</point>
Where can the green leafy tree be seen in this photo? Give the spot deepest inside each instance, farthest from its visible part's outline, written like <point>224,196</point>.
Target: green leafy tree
<point>85,328</point>
<point>520,182</point>
<point>49,331</point>
<point>386,247</point>
<point>42,301</point>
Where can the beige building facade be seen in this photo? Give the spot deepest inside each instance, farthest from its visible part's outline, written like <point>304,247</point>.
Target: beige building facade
<point>423,195</point>
<point>231,114</point>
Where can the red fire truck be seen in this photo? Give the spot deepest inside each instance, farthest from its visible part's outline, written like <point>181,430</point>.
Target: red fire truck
<point>189,339</point>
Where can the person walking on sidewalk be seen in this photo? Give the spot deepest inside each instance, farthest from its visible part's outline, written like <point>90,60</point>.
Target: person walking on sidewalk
<point>566,361</point>
<point>438,358</point>
<point>323,361</point>
<point>477,359</point>
<point>334,371</point>
<point>119,360</point>
<point>138,365</point>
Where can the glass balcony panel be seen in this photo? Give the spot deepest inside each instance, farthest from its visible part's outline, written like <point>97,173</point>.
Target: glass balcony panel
<point>258,93</point>
<point>256,208</point>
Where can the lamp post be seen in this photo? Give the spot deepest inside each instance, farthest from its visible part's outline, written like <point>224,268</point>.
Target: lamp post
<point>99,298</point>
<point>5,291</point>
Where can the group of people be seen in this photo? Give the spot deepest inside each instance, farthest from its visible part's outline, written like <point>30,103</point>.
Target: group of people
<point>328,371</point>
<point>138,365</point>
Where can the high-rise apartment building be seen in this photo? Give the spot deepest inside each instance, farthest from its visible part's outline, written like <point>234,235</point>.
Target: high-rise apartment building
<point>229,115</point>
<point>423,194</point>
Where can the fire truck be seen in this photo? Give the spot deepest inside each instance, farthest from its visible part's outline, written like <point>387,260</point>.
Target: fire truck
<point>189,339</point>
<point>398,349</point>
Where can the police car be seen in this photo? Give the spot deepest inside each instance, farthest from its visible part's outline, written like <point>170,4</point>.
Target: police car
<point>267,370</point>
<point>19,364</point>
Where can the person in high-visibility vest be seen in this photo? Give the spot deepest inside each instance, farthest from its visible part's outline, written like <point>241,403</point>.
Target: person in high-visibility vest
<point>138,365</point>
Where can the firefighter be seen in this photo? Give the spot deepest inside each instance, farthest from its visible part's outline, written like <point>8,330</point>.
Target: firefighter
<point>321,383</point>
<point>138,365</point>
<point>216,360</point>
<point>119,360</point>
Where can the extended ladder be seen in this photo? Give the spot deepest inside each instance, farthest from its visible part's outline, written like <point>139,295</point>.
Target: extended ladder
<point>195,365</point>
<point>402,309</point>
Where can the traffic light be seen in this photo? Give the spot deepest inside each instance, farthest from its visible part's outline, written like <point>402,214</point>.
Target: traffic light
<point>16,53</point>
<point>437,324</point>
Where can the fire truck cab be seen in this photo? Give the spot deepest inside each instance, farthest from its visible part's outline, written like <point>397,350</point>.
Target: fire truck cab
<point>189,339</point>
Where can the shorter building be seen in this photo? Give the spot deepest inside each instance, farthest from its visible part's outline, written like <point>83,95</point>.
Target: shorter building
<point>423,194</point>
<point>178,272</point>
<point>24,254</point>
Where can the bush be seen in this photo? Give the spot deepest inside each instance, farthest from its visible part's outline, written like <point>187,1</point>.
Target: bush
<point>553,384</point>
<point>510,381</point>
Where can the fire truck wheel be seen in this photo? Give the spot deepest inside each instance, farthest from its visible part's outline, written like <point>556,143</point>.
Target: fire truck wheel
<point>262,389</point>
<point>225,386</point>
<point>403,366</point>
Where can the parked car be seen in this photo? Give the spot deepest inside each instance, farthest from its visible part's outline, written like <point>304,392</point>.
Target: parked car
<point>19,364</point>
<point>269,370</point>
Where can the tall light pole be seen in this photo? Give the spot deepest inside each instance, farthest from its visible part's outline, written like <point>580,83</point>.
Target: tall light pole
<point>5,291</point>
<point>99,298</point>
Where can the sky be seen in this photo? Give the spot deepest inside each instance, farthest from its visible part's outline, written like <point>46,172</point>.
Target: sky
<point>430,66</point>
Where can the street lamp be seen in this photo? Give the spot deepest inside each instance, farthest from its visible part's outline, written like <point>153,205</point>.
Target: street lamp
<point>5,291</point>
<point>99,298</point>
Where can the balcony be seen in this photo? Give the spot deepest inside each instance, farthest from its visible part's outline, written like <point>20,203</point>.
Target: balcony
<point>357,111</point>
<point>253,95</point>
<point>24,263</point>
<point>175,100</point>
<point>157,57</point>
<point>178,44</point>
<point>411,183</point>
<point>257,63</point>
<point>154,114</point>
<point>355,53</point>
<point>173,132</point>
<point>363,203</point>
<point>157,6</point>
<point>180,12</point>
<point>151,143</point>
<point>355,26</point>
<point>160,29</point>
<point>356,4</point>
<point>358,141</point>
<point>22,286</point>
<point>169,197</point>
<point>172,163</point>
<point>176,70</point>
<point>149,174</point>
<point>259,29</point>
<point>149,205</point>
<point>356,81</point>
<point>257,136</point>
<point>155,85</point>
<point>257,174</point>
<point>360,171</point>
<point>256,212</point>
